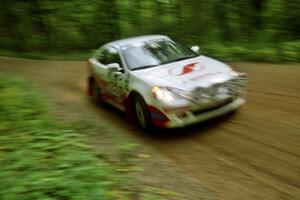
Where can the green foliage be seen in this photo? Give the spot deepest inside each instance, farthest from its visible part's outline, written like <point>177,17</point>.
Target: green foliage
<point>63,27</point>
<point>42,160</point>
<point>289,52</point>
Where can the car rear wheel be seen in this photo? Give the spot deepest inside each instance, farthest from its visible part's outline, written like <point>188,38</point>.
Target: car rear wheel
<point>141,113</point>
<point>95,91</point>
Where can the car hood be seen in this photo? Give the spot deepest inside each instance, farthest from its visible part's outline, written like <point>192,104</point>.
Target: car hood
<point>201,71</point>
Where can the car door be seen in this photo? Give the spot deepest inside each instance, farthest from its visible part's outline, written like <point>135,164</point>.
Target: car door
<point>117,80</point>
<point>98,67</point>
<point>112,83</point>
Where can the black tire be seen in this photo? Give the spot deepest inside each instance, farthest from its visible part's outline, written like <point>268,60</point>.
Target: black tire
<point>141,113</point>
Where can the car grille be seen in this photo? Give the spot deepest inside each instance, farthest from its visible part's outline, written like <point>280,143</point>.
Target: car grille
<point>220,104</point>
<point>220,91</point>
<point>217,95</point>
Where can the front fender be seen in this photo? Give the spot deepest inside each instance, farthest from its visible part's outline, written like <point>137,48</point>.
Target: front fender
<point>141,87</point>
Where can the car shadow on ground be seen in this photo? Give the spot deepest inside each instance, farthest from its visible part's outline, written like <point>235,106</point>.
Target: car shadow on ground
<point>162,133</point>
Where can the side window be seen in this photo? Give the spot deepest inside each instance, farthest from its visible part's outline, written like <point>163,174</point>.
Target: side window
<point>113,56</point>
<point>102,56</point>
<point>108,55</point>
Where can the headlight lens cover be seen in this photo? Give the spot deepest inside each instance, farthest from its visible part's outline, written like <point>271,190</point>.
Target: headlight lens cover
<point>168,94</point>
<point>233,73</point>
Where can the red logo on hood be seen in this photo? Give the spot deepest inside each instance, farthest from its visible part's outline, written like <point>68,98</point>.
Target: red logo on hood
<point>178,71</point>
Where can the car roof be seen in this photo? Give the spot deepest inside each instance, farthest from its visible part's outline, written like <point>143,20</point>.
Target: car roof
<point>127,41</point>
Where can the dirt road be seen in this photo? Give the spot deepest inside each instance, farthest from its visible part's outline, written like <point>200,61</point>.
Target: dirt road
<point>253,153</point>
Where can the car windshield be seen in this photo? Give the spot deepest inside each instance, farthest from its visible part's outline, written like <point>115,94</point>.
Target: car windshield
<point>148,54</point>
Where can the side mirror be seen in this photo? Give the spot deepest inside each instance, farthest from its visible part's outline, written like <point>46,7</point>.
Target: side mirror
<point>195,49</point>
<point>114,67</point>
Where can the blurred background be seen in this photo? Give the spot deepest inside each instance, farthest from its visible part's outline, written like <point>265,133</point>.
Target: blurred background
<point>257,30</point>
<point>55,143</point>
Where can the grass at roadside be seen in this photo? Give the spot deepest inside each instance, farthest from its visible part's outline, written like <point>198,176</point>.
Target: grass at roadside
<point>42,159</point>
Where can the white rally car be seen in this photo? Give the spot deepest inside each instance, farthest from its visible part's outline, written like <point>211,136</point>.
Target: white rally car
<point>160,82</point>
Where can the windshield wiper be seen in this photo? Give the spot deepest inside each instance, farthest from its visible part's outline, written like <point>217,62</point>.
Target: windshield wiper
<point>178,59</point>
<point>144,67</point>
<point>163,63</point>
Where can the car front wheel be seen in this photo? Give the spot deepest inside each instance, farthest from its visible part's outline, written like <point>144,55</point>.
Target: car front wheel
<point>141,113</point>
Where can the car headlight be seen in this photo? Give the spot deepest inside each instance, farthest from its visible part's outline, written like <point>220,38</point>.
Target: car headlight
<point>234,73</point>
<point>168,94</point>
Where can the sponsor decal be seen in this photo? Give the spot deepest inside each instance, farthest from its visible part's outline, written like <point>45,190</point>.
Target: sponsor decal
<point>101,83</point>
<point>179,71</point>
<point>110,91</point>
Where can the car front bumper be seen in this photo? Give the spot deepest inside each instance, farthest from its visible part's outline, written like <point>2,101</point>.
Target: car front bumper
<point>177,119</point>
